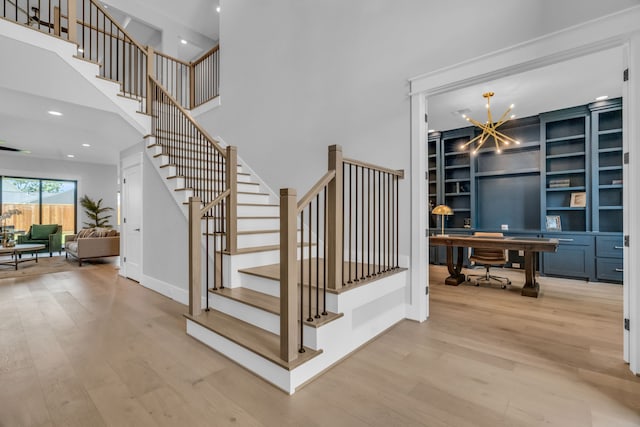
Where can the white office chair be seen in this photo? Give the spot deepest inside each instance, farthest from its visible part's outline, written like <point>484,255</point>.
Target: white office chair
<point>487,258</point>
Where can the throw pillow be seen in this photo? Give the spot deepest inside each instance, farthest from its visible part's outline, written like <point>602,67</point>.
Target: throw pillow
<point>42,231</point>
<point>85,232</point>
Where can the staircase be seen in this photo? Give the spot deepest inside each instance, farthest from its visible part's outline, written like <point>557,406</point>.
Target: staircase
<point>282,286</point>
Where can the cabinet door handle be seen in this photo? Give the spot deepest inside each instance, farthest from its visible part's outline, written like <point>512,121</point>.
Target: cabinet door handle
<point>619,270</point>
<point>618,247</point>
<point>565,240</point>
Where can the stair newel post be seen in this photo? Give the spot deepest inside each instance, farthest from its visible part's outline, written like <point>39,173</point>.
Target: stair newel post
<point>231,177</point>
<point>150,73</point>
<point>334,220</point>
<point>72,21</point>
<point>195,257</point>
<point>288,276</point>
<point>192,86</point>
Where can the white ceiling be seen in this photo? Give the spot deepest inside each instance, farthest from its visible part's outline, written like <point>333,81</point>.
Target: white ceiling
<point>566,84</point>
<point>28,92</point>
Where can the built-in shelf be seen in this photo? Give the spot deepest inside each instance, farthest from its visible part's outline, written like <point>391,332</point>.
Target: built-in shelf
<point>565,139</point>
<point>567,172</point>
<point>578,188</point>
<point>610,150</point>
<point>610,131</point>
<point>457,194</point>
<point>564,156</point>
<point>610,168</point>
<point>610,208</point>
<point>457,180</point>
<point>610,187</point>
<point>563,208</point>
<point>456,167</point>
<point>528,171</point>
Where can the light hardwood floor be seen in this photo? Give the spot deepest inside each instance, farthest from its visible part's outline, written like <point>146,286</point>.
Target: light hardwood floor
<point>88,348</point>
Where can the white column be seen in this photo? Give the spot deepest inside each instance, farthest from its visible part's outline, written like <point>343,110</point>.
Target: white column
<point>418,308</point>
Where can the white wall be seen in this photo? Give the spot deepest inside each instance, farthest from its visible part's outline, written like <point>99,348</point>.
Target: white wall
<point>165,246</point>
<point>299,75</point>
<point>95,180</point>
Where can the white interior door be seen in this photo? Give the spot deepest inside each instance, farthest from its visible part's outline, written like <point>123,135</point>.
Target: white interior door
<point>132,218</point>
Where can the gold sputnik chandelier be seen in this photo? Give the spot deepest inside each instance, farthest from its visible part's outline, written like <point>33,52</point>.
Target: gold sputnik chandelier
<point>489,129</point>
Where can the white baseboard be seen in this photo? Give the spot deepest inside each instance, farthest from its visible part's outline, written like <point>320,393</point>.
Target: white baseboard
<point>169,290</point>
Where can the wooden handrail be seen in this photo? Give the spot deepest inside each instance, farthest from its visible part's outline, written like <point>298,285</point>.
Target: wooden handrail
<point>205,55</point>
<point>123,38</point>
<point>188,116</point>
<point>215,201</point>
<point>398,173</point>
<point>118,26</point>
<point>180,61</point>
<point>313,192</point>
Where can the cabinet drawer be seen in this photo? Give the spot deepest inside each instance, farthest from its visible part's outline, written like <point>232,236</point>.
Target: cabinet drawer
<point>609,246</point>
<point>571,239</point>
<point>609,269</point>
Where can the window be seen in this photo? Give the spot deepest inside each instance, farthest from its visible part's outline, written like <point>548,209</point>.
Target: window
<point>42,201</point>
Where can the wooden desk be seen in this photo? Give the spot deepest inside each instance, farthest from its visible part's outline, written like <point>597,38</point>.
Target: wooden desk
<point>530,246</point>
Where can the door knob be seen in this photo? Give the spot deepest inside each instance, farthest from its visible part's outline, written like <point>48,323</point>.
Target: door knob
<point>136,229</point>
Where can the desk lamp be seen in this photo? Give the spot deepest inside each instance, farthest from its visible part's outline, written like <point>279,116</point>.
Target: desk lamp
<point>442,210</point>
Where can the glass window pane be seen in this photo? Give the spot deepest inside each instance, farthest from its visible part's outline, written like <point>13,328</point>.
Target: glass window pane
<point>58,204</point>
<point>22,194</point>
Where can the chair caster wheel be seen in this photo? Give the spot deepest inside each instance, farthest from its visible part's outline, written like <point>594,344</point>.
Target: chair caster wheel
<point>504,286</point>
<point>477,284</point>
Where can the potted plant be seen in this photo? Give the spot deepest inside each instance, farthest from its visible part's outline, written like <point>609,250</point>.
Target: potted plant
<point>96,212</point>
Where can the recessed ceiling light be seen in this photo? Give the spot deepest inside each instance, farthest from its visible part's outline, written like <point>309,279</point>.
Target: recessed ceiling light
<point>183,41</point>
<point>106,6</point>
<point>71,156</point>
<point>602,98</point>
<point>218,9</point>
<point>431,130</point>
<point>54,113</point>
<point>26,151</point>
<point>86,145</point>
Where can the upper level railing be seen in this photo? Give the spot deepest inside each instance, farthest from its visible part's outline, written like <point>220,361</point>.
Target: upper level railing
<point>104,41</point>
<point>348,234</point>
<point>191,83</point>
<point>101,39</point>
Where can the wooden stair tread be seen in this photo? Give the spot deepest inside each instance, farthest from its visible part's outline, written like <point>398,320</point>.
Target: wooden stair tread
<point>249,232</point>
<point>251,337</point>
<point>272,272</point>
<point>270,303</point>
<point>257,204</point>
<point>255,249</point>
<point>251,192</point>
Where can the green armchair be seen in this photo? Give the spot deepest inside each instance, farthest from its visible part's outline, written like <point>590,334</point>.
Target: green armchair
<point>49,235</point>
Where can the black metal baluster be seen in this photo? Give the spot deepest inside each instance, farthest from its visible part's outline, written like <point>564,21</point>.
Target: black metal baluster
<point>324,255</point>
<point>350,229</point>
<point>362,233</point>
<point>317,316</point>
<point>355,230</point>
<point>309,309</point>
<point>301,350</point>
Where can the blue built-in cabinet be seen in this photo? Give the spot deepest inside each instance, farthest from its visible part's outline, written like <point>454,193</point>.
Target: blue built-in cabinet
<point>564,180</point>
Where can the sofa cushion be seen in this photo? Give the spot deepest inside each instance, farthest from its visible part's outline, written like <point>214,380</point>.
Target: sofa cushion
<point>71,246</point>
<point>42,231</point>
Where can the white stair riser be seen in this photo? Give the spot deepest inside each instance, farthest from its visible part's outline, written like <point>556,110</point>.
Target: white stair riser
<point>253,198</point>
<point>258,210</point>
<point>257,317</point>
<point>260,284</point>
<point>262,239</point>
<point>258,224</point>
